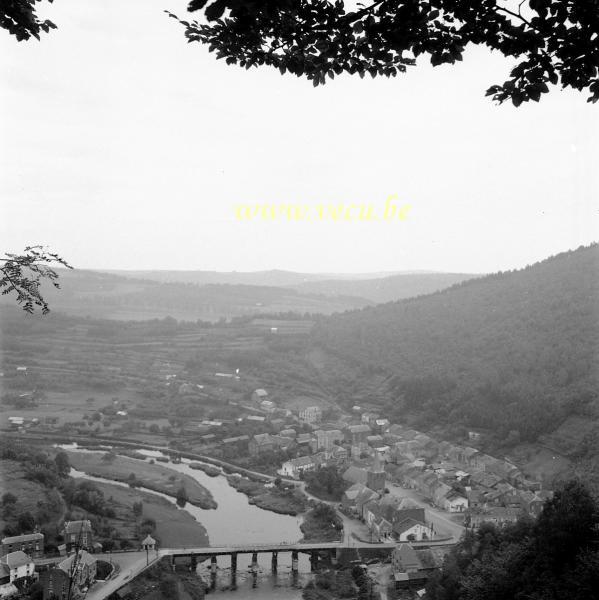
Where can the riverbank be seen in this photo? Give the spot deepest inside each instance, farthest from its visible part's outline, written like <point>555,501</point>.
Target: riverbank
<point>139,473</point>
<point>279,499</point>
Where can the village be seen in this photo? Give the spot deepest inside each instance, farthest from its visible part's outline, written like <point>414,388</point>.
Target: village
<point>399,487</point>
<point>385,463</point>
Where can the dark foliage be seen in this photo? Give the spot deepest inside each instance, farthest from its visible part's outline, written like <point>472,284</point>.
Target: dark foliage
<point>553,558</point>
<point>20,19</point>
<point>22,274</point>
<point>325,483</point>
<point>554,41</point>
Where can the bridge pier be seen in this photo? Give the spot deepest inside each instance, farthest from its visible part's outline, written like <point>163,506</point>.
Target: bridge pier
<point>254,562</point>
<point>234,562</point>
<point>334,560</point>
<point>213,569</point>
<point>294,561</point>
<point>313,560</point>
<point>173,562</point>
<point>194,563</point>
<point>274,561</point>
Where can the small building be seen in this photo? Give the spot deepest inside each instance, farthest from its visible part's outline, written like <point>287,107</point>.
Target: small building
<point>455,502</point>
<point>296,466</point>
<point>326,439</point>
<point>411,530</point>
<point>404,559</point>
<point>256,418</point>
<point>356,497</point>
<point>30,543</point>
<point>74,574</point>
<point>290,433</point>
<point>259,395</point>
<point>19,565</point>
<point>78,533</point>
<point>357,434</point>
<point>261,443</point>
<point>148,543</point>
<point>311,414</point>
<point>408,572</point>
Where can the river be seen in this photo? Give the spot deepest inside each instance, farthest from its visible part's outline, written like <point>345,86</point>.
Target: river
<point>235,521</point>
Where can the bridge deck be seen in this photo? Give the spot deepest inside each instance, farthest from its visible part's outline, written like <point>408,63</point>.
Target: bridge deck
<point>278,547</point>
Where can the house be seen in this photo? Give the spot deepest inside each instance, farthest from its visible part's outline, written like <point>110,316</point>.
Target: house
<point>261,443</point>
<point>382,425</point>
<point>325,440</point>
<point>296,466</point>
<point>282,443</point>
<point>78,533</point>
<point>19,565</point>
<point>404,559</point>
<point>241,440</point>
<point>311,414</point>
<point>356,497</point>
<point>370,418</point>
<point>374,440</point>
<point>355,474</point>
<point>411,530</point>
<point>471,458</point>
<point>364,497</point>
<point>499,516</point>
<point>4,574</point>
<point>303,439</point>
<point>336,455</point>
<point>259,395</point>
<point>30,543</point>
<point>75,573</point>
<point>357,434</point>
<point>440,492</point>
<point>455,502</point>
<point>290,433</point>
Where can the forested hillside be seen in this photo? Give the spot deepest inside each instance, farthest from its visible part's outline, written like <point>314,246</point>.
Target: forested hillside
<point>513,352</point>
<point>385,289</point>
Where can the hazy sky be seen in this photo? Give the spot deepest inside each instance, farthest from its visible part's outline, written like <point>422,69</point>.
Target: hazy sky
<point>123,146</point>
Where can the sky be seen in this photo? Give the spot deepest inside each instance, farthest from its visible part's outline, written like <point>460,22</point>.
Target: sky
<point>124,147</point>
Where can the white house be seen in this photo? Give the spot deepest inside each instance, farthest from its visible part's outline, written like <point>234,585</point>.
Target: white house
<point>455,502</point>
<point>411,530</point>
<point>296,466</point>
<point>311,414</point>
<point>19,563</point>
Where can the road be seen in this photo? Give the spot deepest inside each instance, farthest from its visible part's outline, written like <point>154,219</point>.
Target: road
<point>130,564</point>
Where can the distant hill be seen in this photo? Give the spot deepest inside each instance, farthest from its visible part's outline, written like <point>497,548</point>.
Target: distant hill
<point>515,353</point>
<point>385,289</point>
<point>275,277</point>
<point>108,296</point>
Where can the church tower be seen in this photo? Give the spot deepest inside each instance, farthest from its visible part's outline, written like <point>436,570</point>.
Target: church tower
<point>376,474</point>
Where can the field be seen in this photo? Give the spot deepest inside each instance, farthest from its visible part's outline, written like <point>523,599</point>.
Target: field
<point>151,476</point>
<point>154,371</point>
